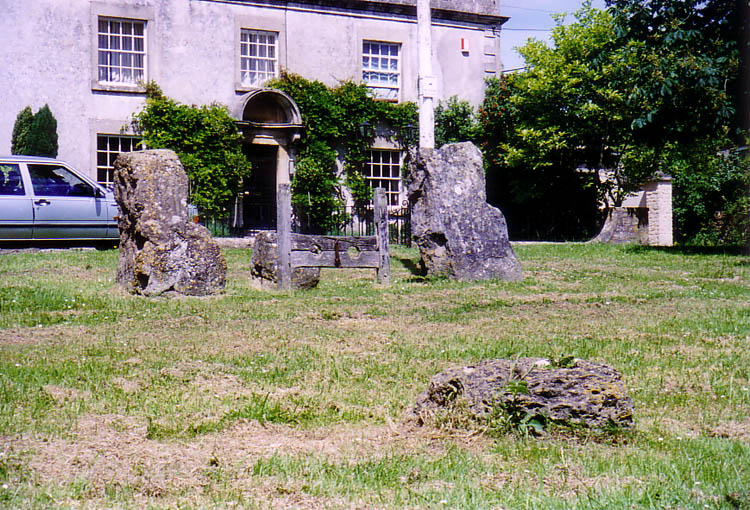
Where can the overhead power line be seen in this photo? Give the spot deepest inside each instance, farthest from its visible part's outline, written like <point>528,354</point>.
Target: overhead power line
<point>525,8</point>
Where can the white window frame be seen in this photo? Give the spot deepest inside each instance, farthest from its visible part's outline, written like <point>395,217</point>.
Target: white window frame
<point>255,59</point>
<point>391,181</point>
<point>121,55</point>
<point>105,157</point>
<point>381,68</point>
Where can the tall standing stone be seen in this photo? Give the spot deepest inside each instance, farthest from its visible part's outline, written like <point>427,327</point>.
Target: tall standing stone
<point>161,250</point>
<point>458,233</point>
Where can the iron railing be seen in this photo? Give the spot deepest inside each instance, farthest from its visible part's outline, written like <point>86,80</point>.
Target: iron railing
<point>360,223</point>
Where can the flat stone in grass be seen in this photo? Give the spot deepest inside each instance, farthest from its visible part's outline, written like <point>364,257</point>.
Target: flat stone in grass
<point>582,393</point>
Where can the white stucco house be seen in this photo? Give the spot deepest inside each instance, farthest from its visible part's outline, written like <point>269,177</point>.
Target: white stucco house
<point>88,58</point>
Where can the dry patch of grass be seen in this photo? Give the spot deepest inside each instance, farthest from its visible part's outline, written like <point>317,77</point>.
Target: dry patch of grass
<point>298,399</point>
<point>107,450</point>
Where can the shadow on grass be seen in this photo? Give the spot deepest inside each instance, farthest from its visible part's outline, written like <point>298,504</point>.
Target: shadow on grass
<point>412,267</point>
<point>736,250</point>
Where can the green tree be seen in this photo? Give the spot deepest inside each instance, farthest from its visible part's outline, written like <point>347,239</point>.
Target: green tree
<point>541,127</point>
<point>35,135</point>
<point>21,128</point>
<point>207,142</point>
<point>685,80</point>
<point>627,92</point>
<point>683,96</point>
<point>43,133</point>
<point>455,121</point>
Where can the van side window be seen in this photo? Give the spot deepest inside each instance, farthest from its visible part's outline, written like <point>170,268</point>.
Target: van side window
<point>58,181</point>
<point>10,180</point>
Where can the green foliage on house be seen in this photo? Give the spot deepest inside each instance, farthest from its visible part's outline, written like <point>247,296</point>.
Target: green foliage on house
<point>208,143</point>
<point>333,118</point>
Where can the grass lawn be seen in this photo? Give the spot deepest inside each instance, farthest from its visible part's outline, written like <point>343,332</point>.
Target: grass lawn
<point>267,399</point>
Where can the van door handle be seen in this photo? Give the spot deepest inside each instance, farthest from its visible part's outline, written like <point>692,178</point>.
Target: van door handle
<point>43,201</point>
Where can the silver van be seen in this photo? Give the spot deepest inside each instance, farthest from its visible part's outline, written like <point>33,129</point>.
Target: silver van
<point>45,199</point>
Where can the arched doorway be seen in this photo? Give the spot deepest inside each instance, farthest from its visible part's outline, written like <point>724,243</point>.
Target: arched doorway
<point>270,123</point>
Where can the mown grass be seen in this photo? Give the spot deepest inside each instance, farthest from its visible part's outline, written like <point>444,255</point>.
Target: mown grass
<point>267,399</point>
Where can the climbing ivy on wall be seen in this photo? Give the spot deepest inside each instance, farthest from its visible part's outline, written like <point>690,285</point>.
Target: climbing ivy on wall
<point>332,117</point>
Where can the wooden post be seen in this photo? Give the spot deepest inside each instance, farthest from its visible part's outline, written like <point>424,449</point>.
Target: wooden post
<point>381,233</point>
<point>284,236</point>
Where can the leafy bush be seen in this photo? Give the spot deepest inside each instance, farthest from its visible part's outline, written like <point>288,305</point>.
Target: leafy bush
<point>207,142</point>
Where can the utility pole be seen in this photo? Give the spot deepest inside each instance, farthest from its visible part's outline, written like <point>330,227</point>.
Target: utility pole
<point>426,87</point>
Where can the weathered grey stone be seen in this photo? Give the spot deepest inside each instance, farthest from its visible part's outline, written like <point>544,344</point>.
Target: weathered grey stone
<point>624,225</point>
<point>161,250</point>
<point>264,261</point>
<point>458,233</point>
<point>585,393</point>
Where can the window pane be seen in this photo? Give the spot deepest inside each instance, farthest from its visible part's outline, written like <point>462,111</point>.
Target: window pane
<point>258,56</point>
<point>11,183</point>
<point>108,148</point>
<point>138,28</point>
